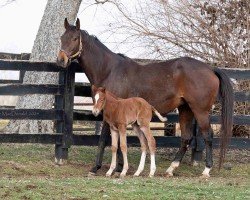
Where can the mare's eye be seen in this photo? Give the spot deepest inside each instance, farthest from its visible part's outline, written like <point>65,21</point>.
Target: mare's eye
<point>74,39</point>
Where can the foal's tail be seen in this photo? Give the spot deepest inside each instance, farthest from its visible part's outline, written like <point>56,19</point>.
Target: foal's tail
<point>226,97</point>
<point>163,119</point>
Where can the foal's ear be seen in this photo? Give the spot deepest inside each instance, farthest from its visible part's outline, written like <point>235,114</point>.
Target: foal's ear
<point>94,88</point>
<point>78,24</point>
<point>66,23</point>
<point>102,89</point>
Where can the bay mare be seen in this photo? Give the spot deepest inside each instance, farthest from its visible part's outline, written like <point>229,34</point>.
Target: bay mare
<point>184,83</point>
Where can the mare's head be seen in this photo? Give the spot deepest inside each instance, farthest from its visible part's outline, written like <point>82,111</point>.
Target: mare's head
<point>99,99</point>
<point>71,44</point>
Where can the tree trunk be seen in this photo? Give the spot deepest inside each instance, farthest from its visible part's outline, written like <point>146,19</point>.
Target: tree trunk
<point>45,48</point>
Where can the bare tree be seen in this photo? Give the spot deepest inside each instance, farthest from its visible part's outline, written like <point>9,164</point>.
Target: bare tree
<point>215,31</point>
<point>46,46</point>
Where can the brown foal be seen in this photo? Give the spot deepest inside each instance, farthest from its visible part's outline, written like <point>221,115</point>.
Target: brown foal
<point>119,113</point>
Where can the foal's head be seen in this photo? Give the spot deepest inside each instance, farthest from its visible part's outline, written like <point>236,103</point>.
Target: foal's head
<point>99,99</point>
<point>71,44</point>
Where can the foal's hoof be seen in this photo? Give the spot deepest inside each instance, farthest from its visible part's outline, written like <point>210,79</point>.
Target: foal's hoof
<point>116,175</point>
<point>168,174</point>
<point>91,174</point>
<point>137,174</point>
<point>122,175</point>
<point>151,175</point>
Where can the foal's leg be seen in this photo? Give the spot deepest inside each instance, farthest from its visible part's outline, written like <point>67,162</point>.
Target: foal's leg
<point>115,137</point>
<point>105,134</point>
<point>152,146</point>
<point>186,118</point>
<point>144,146</point>
<point>123,145</point>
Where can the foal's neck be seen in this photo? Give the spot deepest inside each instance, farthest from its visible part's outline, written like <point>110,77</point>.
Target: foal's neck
<point>96,60</point>
<point>111,103</point>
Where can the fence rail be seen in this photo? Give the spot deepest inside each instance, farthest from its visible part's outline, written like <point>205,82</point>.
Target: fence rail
<point>63,113</point>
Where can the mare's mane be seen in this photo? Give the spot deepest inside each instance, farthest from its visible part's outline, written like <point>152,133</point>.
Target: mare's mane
<point>92,40</point>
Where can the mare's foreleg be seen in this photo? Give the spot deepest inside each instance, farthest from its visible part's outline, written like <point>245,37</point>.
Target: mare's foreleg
<point>105,134</point>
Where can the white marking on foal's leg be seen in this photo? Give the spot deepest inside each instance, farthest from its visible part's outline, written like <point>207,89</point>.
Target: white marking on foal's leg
<point>113,164</point>
<point>114,136</point>
<point>205,173</point>
<point>125,167</point>
<point>142,163</point>
<point>172,167</point>
<point>152,165</point>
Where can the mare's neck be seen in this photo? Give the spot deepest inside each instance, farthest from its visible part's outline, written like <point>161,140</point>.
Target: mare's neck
<point>96,59</point>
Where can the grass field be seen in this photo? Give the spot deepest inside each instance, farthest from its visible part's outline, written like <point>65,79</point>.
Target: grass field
<point>27,171</point>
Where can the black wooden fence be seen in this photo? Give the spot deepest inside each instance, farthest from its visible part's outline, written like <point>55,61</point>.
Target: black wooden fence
<point>63,113</point>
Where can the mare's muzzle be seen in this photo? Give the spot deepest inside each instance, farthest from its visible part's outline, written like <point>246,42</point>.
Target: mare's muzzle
<point>62,59</point>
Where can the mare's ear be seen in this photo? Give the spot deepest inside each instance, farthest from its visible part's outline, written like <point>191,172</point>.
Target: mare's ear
<point>66,24</point>
<point>78,24</point>
<point>94,88</point>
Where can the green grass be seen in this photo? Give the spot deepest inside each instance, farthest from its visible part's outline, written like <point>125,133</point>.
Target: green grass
<point>28,172</point>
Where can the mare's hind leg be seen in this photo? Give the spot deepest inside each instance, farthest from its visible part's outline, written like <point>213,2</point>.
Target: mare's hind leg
<point>207,133</point>
<point>144,146</point>
<point>152,146</point>
<point>186,118</point>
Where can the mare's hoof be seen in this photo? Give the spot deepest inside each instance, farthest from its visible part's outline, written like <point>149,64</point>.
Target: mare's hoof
<point>136,175</point>
<point>59,162</point>
<point>195,163</point>
<point>91,174</point>
<point>205,176</point>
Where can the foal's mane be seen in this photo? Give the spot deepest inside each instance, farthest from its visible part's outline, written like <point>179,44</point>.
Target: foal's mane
<point>112,95</point>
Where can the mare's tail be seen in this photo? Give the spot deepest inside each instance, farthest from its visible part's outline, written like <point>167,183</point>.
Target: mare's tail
<point>163,119</point>
<point>226,96</point>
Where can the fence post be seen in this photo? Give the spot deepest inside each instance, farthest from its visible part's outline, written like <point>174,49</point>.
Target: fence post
<point>21,75</point>
<point>61,149</point>
<point>169,129</point>
<point>59,104</point>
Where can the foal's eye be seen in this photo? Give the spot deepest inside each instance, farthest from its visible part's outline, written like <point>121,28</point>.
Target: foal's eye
<point>74,39</point>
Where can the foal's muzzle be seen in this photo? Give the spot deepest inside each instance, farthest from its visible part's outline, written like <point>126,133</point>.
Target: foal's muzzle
<point>95,112</point>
